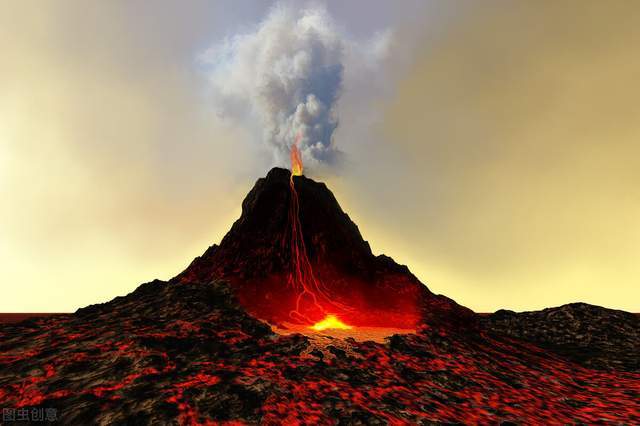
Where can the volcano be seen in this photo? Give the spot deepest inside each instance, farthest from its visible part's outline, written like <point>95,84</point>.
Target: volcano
<point>220,342</point>
<point>359,287</point>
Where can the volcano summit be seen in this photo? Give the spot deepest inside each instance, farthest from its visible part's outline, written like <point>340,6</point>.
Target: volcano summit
<point>204,347</point>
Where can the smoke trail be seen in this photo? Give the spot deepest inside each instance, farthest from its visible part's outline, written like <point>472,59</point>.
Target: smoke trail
<point>287,75</point>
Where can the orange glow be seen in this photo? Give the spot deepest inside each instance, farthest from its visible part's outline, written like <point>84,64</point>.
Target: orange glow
<point>312,296</point>
<point>296,159</point>
<point>330,322</point>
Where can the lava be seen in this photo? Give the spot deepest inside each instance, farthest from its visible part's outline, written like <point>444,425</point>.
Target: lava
<point>310,291</point>
<point>296,159</point>
<point>330,322</point>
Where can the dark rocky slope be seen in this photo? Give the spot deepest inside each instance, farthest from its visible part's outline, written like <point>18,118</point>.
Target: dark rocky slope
<point>591,335</point>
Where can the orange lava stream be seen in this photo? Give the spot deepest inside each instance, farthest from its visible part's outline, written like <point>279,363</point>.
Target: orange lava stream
<point>296,160</point>
<point>310,291</point>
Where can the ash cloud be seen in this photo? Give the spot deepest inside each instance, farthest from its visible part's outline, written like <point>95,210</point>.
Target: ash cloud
<point>286,75</point>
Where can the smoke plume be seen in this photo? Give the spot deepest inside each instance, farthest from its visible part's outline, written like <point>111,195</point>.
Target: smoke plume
<point>286,75</point>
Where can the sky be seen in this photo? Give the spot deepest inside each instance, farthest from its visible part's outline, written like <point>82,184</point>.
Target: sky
<point>492,147</point>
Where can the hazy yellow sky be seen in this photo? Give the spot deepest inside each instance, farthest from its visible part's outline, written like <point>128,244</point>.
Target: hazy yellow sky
<point>501,164</point>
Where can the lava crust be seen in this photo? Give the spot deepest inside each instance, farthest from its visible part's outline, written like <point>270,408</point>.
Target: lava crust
<point>189,354</point>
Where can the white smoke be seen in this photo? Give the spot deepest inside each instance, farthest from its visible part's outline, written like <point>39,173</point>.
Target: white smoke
<point>287,75</point>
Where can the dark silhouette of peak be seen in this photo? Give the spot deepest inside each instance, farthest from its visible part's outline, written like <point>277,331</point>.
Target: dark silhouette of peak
<point>258,236</point>
<point>255,256</point>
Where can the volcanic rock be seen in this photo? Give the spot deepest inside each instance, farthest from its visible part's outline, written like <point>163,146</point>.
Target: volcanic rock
<point>255,257</point>
<point>590,335</point>
<point>188,353</point>
<point>196,350</point>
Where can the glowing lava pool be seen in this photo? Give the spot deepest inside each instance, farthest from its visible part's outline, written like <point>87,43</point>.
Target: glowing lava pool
<point>330,322</point>
<point>332,327</point>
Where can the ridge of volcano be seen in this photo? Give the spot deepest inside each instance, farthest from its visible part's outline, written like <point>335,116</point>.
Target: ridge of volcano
<point>255,257</point>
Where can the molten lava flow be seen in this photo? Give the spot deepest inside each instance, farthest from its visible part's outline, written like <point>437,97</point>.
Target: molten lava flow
<point>312,296</point>
<point>330,322</point>
<point>296,159</point>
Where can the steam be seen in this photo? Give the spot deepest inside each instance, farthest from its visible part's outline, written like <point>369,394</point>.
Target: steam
<point>287,76</point>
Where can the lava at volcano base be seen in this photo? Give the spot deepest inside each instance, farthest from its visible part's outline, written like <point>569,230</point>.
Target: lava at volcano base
<point>188,354</point>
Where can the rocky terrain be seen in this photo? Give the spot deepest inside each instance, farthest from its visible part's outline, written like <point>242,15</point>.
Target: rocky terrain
<point>189,354</point>
<point>591,335</point>
<point>198,349</point>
